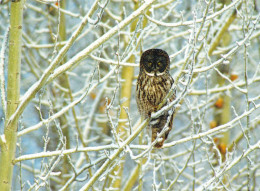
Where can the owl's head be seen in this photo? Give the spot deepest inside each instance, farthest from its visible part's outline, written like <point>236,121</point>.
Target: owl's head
<point>155,62</point>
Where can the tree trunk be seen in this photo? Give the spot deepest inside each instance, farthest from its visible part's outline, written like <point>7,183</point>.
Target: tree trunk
<point>8,146</point>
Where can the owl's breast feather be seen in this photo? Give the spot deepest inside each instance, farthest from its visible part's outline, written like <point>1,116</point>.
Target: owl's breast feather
<point>151,90</point>
<point>157,89</point>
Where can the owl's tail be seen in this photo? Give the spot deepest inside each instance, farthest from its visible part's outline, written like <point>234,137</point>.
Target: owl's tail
<point>157,126</point>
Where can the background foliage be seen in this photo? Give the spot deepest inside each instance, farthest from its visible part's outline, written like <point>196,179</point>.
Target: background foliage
<point>79,127</point>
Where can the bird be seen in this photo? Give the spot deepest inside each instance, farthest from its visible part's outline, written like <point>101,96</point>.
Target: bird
<point>153,84</point>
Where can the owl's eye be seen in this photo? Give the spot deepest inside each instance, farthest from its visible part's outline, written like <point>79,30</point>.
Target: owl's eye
<point>149,64</point>
<point>159,63</point>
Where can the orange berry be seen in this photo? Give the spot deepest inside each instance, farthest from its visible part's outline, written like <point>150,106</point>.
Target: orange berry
<point>222,148</point>
<point>213,124</point>
<point>219,103</point>
<point>215,139</point>
<point>92,95</point>
<point>233,77</point>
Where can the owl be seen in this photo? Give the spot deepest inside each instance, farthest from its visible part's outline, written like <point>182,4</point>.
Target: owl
<point>153,84</point>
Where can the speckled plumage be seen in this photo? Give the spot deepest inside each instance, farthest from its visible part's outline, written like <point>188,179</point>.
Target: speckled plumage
<point>153,84</point>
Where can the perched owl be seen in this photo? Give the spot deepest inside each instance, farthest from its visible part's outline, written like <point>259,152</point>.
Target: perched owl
<point>153,84</point>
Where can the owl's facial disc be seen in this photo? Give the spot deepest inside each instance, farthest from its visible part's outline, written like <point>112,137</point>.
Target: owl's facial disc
<point>155,62</point>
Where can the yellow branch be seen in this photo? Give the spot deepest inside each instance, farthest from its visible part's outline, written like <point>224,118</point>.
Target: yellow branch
<point>13,94</point>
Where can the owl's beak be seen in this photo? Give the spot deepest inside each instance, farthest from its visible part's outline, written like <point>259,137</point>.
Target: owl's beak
<point>156,71</point>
